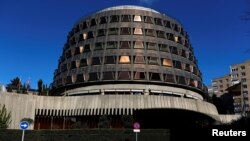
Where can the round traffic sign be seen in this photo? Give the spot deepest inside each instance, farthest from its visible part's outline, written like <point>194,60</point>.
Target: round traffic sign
<point>24,125</point>
<point>136,125</point>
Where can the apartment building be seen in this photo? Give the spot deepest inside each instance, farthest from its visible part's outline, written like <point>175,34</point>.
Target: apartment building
<point>220,84</point>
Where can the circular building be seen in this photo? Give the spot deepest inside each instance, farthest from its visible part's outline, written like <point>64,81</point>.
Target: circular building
<point>131,60</point>
<point>128,50</point>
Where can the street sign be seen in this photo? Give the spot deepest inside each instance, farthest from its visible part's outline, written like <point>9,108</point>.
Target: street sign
<point>24,125</point>
<point>136,126</point>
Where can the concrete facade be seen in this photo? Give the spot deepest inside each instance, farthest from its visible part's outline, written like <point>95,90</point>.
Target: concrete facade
<point>27,106</point>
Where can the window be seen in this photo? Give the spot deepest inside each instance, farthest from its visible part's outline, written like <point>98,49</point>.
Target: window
<point>110,75</point>
<point>125,31</point>
<point>151,46</point>
<point>137,18</point>
<point>138,44</point>
<point>148,19</point>
<point>90,35</point>
<point>154,76</point>
<point>160,34</point>
<point>68,80</point>
<point>81,49</point>
<point>126,18</point>
<point>169,78</point>
<point>93,76</point>
<point>176,27</point>
<point>87,48</point>
<point>187,67</point>
<point>243,74</point>
<point>167,24</point>
<point>139,75</point>
<point>177,64</point>
<point>124,44</point>
<point>79,78</point>
<point>124,59</point>
<point>170,36</point>
<point>243,80</point>
<point>99,46</point>
<point>114,18</point>
<point>110,60</point>
<point>83,63</point>
<point>101,32</point>
<point>113,31</point>
<point>96,61</point>
<point>73,65</point>
<point>93,22</point>
<point>77,63</point>
<point>193,83</point>
<point>124,75</point>
<point>137,31</point>
<point>73,51</point>
<point>73,78</point>
<point>139,60</point>
<point>103,20</point>
<point>181,80</point>
<point>183,53</point>
<point>84,25</point>
<point>242,67</point>
<point>149,32</point>
<point>163,47</point>
<point>153,61</point>
<point>244,86</point>
<point>158,21</point>
<point>174,50</point>
<point>111,45</point>
<point>166,62</point>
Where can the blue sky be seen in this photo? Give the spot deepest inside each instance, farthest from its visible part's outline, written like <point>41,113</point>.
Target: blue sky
<point>33,32</point>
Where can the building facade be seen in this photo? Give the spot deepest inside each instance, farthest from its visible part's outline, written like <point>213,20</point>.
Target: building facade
<point>122,61</point>
<point>220,84</point>
<point>239,75</point>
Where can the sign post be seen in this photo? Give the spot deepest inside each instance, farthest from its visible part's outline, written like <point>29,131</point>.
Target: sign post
<point>24,125</point>
<point>136,129</point>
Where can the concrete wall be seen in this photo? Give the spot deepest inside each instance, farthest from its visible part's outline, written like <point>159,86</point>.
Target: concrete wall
<point>26,106</point>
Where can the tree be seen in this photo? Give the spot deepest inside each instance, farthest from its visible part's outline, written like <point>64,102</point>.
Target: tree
<point>5,117</point>
<point>15,84</point>
<point>29,120</point>
<point>40,86</point>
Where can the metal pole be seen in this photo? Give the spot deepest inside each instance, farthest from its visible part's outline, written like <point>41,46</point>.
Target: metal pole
<point>23,136</point>
<point>135,136</point>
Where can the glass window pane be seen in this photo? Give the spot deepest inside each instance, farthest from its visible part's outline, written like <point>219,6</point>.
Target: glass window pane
<point>125,31</point>
<point>169,78</point>
<point>101,32</point>
<point>151,46</point>
<point>137,18</point>
<point>155,76</point>
<point>139,76</point>
<point>124,59</point>
<point>124,75</point>
<point>125,44</point>
<point>79,78</point>
<point>166,62</point>
<point>126,18</point>
<point>93,76</point>
<point>103,20</point>
<point>139,60</point>
<point>109,75</point>
<point>149,32</point>
<point>111,45</point>
<point>160,34</point>
<point>138,44</point>
<point>96,61</point>
<point>148,19</point>
<point>137,31</point>
<point>113,31</point>
<point>163,47</point>
<point>90,35</point>
<point>153,60</point>
<point>87,48</point>
<point>114,18</point>
<point>110,59</point>
<point>99,46</point>
<point>93,22</point>
<point>83,63</point>
<point>158,21</point>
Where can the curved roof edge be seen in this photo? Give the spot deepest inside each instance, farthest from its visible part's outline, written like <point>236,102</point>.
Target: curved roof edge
<point>128,7</point>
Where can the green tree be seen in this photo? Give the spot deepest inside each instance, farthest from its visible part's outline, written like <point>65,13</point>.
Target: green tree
<point>5,117</point>
<point>29,120</point>
<point>40,86</point>
<point>15,84</point>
